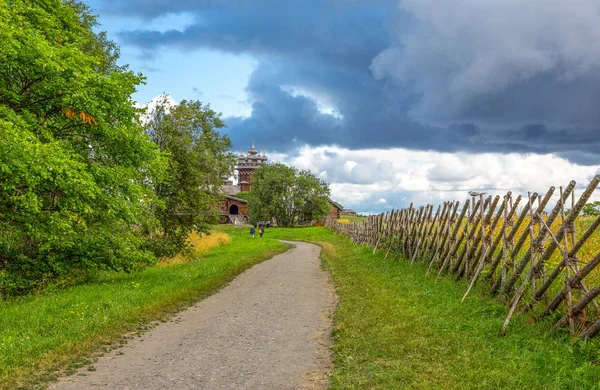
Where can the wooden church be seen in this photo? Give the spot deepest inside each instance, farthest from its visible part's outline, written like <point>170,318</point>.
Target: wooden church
<point>233,209</point>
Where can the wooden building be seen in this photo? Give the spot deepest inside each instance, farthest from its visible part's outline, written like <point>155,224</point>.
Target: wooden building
<point>335,210</point>
<point>233,209</point>
<point>348,213</point>
<point>236,206</point>
<point>246,166</point>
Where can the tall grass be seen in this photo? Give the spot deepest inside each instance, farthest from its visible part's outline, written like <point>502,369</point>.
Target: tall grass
<point>200,244</point>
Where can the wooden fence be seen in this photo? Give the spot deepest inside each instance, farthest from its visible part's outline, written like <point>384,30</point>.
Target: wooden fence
<point>533,260</point>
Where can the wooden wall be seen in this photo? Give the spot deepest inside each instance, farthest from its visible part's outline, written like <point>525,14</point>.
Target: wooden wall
<point>334,212</point>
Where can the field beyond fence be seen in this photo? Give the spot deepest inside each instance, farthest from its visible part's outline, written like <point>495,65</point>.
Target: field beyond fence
<point>538,261</point>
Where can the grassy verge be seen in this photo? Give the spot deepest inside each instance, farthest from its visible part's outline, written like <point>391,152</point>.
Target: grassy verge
<point>57,330</point>
<point>396,329</point>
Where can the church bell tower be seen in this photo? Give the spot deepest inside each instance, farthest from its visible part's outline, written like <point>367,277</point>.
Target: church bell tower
<point>246,166</point>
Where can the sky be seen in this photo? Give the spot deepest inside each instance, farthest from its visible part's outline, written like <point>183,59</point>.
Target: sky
<point>390,101</point>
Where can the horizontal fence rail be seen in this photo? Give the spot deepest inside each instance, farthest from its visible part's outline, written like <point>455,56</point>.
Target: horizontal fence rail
<point>535,258</point>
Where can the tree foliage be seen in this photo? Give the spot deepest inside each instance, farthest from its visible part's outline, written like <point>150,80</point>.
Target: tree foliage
<point>287,194</point>
<point>199,156</point>
<point>74,161</point>
<point>592,209</point>
<point>243,195</point>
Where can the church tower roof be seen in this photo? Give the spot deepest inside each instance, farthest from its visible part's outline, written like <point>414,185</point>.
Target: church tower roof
<point>252,150</point>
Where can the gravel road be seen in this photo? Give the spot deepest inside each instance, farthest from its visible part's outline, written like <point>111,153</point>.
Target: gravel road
<point>268,329</point>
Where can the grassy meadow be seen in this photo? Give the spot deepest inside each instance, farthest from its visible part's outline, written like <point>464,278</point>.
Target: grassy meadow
<point>396,329</point>
<point>60,328</point>
<point>393,328</point>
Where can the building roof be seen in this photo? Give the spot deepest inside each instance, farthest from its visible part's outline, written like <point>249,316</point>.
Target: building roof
<point>252,149</point>
<point>252,159</point>
<point>234,198</point>
<point>336,204</point>
<point>231,189</point>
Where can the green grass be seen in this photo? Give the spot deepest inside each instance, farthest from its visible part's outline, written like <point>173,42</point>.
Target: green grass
<point>396,329</point>
<point>57,330</point>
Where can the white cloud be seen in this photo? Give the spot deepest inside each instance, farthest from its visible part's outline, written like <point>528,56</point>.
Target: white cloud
<point>151,106</point>
<point>349,165</point>
<point>378,179</point>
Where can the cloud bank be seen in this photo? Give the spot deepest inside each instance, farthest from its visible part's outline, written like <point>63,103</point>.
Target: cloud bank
<point>499,63</point>
<point>495,76</point>
<point>413,100</point>
<point>374,179</point>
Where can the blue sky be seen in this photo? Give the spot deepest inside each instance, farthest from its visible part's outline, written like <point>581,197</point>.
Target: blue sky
<point>391,101</point>
<point>212,76</point>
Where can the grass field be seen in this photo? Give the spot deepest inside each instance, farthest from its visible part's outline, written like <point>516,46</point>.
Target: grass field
<point>58,329</point>
<point>396,329</point>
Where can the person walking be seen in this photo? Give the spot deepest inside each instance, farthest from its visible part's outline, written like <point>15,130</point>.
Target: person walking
<point>252,230</point>
<point>261,231</point>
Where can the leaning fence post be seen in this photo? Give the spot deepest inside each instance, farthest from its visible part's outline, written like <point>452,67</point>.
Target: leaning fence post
<point>468,234</point>
<point>531,239</point>
<point>504,242</point>
<point>539,240</point>
<point>421,235</point>
<point>455,244</point>
<point>565,253</point>
<point>441,232</point>
<point>444,245</point>
<point>552,246</point>
<point>538,244</point>
<point>481,263</point>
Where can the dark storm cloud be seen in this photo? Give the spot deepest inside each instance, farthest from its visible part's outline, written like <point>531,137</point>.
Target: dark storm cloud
<point>372,115</point>
<point>420,74</point>
<point>311,31</point>
<point>364,119</point>
<point>150,9</point>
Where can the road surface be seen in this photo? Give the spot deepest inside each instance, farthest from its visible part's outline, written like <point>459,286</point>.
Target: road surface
<point>268,329</point>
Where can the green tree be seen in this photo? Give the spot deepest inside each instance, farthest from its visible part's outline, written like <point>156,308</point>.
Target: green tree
<point>286,194</point>
<point>75,164</point>
<point>243,195</point>
<point>187,196</point>
<point>591,209</point>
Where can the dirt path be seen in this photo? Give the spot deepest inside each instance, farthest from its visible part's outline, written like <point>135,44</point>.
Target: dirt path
<point>269,329</point>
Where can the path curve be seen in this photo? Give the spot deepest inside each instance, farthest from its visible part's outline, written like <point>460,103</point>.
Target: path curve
<point>268,329</point>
